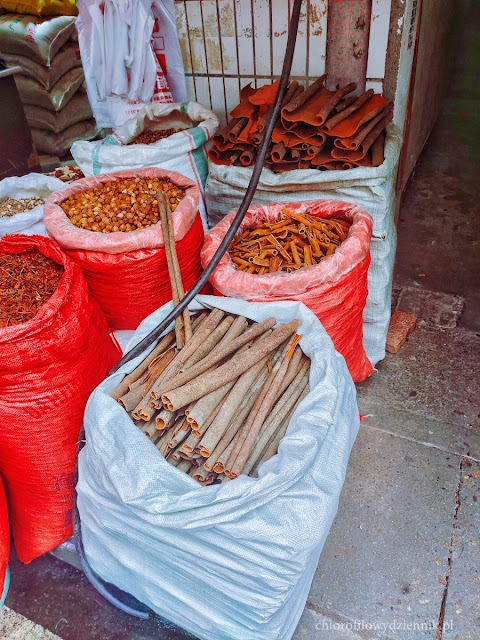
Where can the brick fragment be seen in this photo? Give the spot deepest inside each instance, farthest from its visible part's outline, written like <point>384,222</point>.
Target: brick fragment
<point>401,325</point>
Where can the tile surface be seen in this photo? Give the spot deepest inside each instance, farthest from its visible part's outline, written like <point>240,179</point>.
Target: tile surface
<point>385,559</point>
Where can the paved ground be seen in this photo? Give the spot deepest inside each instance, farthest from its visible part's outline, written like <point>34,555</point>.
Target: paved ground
<point>402,559</point>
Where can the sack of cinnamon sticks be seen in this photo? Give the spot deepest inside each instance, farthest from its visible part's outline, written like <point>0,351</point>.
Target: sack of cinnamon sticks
<point>232,560</point>
<point>335,289</point>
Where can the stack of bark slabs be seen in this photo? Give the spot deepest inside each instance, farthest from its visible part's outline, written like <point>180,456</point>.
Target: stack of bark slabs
<point>318,128</point>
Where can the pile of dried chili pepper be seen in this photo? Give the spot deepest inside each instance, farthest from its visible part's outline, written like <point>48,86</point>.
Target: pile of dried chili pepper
<point>27,281</point>
<point>150,136</point>
<point>293,241</point>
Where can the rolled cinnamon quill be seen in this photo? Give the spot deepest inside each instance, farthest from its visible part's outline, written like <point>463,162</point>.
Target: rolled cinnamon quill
<point>259,416</point>
<point>219,354</point>
<point>238,364</point>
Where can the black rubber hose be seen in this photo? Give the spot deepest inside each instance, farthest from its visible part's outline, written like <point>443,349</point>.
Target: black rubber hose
<point>115,596</point>
<point>242,210</point>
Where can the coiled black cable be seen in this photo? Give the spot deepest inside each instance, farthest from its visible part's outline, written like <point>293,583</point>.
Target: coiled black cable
<point>115,596</point>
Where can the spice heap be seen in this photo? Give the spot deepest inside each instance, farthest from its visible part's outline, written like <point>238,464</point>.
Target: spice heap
<point>317,129</point>
<point>9,206</point>
<point>122,205</point>
<point>27,281</point>
<point>294,241</point>
<point>149,136</point>
<point>220,405</point>
<point>67,173</point>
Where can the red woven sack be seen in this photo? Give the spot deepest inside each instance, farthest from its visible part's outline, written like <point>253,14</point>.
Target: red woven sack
<point>127,271</point>
<point>335,290</point>
<point>4,536</point>
<point>49,365</point>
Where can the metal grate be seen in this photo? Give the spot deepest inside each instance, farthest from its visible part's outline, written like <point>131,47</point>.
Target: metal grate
<point>228,43</point>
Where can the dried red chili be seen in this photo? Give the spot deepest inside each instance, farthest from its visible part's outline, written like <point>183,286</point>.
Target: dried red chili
<point>27,281</point>
<point>150,136</point>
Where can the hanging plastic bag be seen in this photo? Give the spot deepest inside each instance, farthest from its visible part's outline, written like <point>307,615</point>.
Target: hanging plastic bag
<point>48,367</point>
<point>166,47</point>
<point>232,561</point>
<point>124,67</point>
<point>335,290</point>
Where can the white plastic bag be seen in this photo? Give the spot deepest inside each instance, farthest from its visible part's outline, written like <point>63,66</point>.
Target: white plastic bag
<point>226,562</point>
<point>166,48</point>
<point>28,186</point>
<point>183,152</point>
<point>144,38</point>
<point>372,188</point>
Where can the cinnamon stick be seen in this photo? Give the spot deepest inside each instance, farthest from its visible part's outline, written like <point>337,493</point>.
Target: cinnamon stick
<point>344,113</point>
<point>172,261</point>
<point>211,341</point>
<point>259,402</point>
<point>220,455</point>
<point>184,465</point>
<point>123,387</point>
<point>207,327</point>
<point>231,370</point>
<point>272,447</point>
<point>131,399</point>
<point>230,406</point>
<point>254,427</point>
<point>165,419</point>
<point>206,405</point>
<point>219,353</point>
<point>273,424</point>
<point>162,207</point>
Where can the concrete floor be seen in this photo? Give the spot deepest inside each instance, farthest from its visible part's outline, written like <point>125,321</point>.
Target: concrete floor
<point>402,559</point>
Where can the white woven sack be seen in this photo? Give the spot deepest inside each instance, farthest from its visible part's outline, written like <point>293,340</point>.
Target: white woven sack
<point>28,186</point>
<point>377,312</point>
<point>372,188</point>
<point>183,152</point>
<point>226,562</point>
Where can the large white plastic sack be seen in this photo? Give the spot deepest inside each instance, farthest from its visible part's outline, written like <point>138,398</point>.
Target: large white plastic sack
<point>183,152</point>
<point>28,186</point>
<point>372,188</point>
<point>377,312</point>
<point>226,562</point>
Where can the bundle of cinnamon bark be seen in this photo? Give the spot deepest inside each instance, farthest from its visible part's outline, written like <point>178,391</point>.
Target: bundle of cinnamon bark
<point>293,241</point>
<point>318,128</point>
<point>219,405</point>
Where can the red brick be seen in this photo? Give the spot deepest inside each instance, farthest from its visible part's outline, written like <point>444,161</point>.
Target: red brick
<point>401,325</point>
